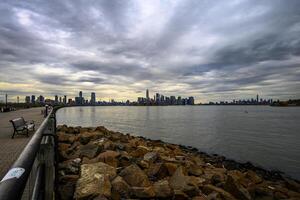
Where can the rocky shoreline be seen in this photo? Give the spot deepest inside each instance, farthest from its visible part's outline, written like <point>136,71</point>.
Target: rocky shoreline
<point>96,163</point>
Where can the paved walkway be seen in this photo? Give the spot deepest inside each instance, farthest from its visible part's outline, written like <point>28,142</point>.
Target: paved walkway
<point>10,149</point>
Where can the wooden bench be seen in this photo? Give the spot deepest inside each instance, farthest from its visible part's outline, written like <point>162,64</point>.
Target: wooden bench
<point>21,126</point>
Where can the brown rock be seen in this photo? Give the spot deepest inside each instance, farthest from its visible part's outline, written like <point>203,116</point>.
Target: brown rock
<point>89,150</point>
<point>202,197</point>
<point>70,166</point>
<point>134,176</point>
<point>120,188</point>
<point>236,189</point>
<point>157,171</point>
<point>208,189</point>
<point>195,170</point>
<point>66,191</point>
<point>179,195</point>
<point>142,192</point>
<point>140,151</point>
<point>181,182</point>
<point>171,167</point>
<point>94,180</point>
<point>162,189</point>
<point>86,137</point>
<point>143,164</point>
<point>63,146</point>
<point>65,138</point>
<point>109,157</point>
<point>253,177</point>
<point>151,156</point>
<point>92,186</point>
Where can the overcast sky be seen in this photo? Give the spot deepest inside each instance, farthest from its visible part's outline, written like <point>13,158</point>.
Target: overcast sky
<point>212,50</point>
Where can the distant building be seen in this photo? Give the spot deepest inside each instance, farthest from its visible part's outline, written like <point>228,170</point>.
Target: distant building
<point>147,96</point>
<point>56,99</point>
<point>33,99</point>
<point>93,98</point>
<point>81,100</point>
<point>257,98</point>
<point>172,100</point>
<point>157,97</point>
<point>191,101</point>
<point>77,100</point>
<point>41,99</point>
<point>60,101</point>
<point>65,99</point>
<point>27,99</point>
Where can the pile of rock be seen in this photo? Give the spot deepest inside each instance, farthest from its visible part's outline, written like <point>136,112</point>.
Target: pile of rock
<point>95,163</point>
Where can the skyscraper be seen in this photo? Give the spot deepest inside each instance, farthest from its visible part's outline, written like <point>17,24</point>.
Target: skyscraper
<point>147,95</point>
<point>80,97</point>
<point>27,99</point>
<point>65,99</point>
<point>257,98</point>
<point>56,99</point>
<point>33,99</point>
<point>93,98</point>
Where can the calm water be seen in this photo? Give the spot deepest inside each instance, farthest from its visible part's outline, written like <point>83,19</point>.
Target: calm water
<point>266,136</point>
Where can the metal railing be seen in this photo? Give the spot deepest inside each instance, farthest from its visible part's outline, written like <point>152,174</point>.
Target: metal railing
<point>37,160</point>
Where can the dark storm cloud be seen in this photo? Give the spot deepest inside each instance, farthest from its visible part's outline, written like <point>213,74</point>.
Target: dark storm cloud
<point>197,47</point>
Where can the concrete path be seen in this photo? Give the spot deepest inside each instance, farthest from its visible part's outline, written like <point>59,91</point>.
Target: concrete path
<point>10,149</point>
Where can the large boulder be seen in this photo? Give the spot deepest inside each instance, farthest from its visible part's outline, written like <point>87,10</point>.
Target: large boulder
<point>233,186</point>
<point>89,150</point>
<point>157,171</point>
<point>142,192</point>
<point>94,180</point>
<point>120,189</point>
<point>66,138</point>
<point>209,189</point>
<point>134,176</point>
<point>179,181</point>
<point>162,189</point>
<point>151,156</point>
<point>109,157</point>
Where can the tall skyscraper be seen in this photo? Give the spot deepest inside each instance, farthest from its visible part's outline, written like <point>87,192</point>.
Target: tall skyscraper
<point>147,95</point>
<point>33,99</point>
<point>27,99</point>
<point>257,98</point>
<point>56,99</point>
<point>93,98</point>
<point>65,99</point>
<point>80,97</point>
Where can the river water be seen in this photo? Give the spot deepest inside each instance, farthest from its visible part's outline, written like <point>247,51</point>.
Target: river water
<point>266,136</point>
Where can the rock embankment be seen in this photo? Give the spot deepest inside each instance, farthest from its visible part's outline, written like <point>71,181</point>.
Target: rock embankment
<point>95,163</point>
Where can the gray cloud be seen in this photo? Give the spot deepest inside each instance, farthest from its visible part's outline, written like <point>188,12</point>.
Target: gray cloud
<point>211,50</point>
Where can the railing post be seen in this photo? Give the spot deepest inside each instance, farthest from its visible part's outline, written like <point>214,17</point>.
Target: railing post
<point>47,158</point>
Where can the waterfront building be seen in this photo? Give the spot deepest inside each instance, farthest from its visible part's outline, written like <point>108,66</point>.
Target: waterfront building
<point>147,95</point>
<point>33,99</point>
<point>257,98</point>
<point>56,99</point>
<point>77,100</point>
<point>93,98</point>
<point>157,97</point>
<point>65,99</point>
<point>27,99</point>
<point>41,99</point>
<point>191,101</point>
<point>172,100</point>
<point>179,101</point>
<point>60,101</point>
<point>81,100</point>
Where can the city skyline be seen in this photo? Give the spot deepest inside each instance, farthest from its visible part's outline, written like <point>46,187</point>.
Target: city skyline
<point>210,50</point>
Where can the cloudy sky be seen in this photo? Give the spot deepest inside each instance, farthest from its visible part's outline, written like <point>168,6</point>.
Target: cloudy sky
<point>212,50</point>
